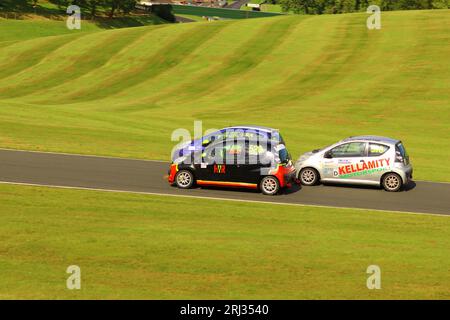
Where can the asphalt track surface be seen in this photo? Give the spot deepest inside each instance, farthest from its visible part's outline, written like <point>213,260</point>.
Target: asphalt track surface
<point>115,174</point>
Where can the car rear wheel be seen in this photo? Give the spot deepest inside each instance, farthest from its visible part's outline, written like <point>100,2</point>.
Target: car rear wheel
<point>391,182</point>
<point>184,179</point>
<point>308,176</point>
<point>270,185</point>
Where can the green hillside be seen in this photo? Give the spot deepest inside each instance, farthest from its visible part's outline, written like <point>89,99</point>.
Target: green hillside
<point>317,78</point>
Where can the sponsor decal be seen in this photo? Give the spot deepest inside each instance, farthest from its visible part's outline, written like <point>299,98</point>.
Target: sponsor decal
<point>219,168</point>
<point>363,168</point>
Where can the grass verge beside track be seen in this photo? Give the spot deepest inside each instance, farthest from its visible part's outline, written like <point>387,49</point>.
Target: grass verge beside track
<point>137,246</point>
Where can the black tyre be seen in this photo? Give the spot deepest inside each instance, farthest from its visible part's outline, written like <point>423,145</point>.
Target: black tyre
<point>308,176</point>
<point>184,179</point>
<point>391,182</point>
<point>270,185</point>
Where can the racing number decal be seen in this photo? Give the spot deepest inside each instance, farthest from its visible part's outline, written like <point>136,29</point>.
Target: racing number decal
<point>219,168</point>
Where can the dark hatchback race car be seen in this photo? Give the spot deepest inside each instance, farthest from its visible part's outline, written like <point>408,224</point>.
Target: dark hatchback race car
<point>238,163</point>
<point>250,132</point>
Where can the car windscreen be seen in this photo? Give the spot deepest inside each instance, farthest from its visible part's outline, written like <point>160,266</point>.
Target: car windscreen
<point>278,137</point>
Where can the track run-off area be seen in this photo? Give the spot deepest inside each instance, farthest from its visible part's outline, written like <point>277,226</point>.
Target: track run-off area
<point>149,177</point>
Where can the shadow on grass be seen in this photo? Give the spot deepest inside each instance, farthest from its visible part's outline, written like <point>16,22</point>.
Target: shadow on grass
<point>20,8</point>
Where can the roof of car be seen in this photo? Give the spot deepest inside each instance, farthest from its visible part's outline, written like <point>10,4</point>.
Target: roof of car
<point>251,127</point>
<point>272,143</point>
<point>373,138</point>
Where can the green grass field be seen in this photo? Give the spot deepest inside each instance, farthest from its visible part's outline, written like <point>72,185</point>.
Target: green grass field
<point>20,30</point>
<point>317,78</point>
<point>146,247</point>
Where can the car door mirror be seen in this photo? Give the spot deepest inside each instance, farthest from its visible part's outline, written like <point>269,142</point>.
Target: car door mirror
<point>328,155</point>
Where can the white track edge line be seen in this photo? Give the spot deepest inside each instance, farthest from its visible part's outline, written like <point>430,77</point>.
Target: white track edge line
<point>218,198</point>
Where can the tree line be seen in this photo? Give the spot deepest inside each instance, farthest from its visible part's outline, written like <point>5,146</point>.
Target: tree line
<point>344,6</point>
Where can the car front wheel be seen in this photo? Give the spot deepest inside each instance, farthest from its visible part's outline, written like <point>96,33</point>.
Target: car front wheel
<point>184,179</point>
<point>308,176</point>
<point>392,182</point>
<point>270,185</point>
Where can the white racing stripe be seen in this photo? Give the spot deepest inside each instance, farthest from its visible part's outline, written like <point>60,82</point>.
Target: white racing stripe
<point>219,198</point>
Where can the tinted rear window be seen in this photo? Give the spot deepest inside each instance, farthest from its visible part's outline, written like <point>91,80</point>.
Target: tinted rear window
<point>400,148</point>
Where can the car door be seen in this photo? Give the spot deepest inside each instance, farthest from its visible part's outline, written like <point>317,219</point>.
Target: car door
<point>236,159</point>
<point>250,171</point>
<point>345,163</point>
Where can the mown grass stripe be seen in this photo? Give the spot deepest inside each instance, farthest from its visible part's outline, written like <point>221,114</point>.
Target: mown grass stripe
<point>298,50</point>
<point>167,57</point>
<point>88,61</point>
<point>200,64</point>
<point>244,59</point>
<point>18,61</point>
<point>338,55</point>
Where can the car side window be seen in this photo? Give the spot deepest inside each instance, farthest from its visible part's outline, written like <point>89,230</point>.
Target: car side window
<point>254,152</point>
<point>215,153</point>
<point>209,154</point>
<point>233,153</point>
<point>351,149</point>
<point>376,149</point>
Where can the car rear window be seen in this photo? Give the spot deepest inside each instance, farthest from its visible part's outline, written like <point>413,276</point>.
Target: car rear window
<point>400,148</point>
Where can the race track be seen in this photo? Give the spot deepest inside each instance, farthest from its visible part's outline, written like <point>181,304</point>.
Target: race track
<point>149,177</point>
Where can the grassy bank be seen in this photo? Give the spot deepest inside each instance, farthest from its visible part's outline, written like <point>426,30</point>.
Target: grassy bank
<point>137,246</point>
